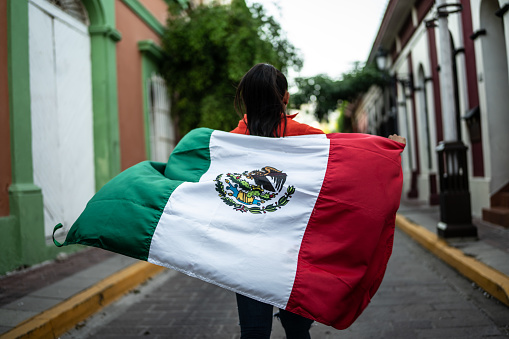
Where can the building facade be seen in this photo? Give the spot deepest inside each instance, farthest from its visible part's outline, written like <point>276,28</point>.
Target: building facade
<point>425,108</point>
<point>82,98</point>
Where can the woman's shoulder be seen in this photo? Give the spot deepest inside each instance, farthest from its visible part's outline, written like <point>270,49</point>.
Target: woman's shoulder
<point>294,127</point>
<point>241,127</point>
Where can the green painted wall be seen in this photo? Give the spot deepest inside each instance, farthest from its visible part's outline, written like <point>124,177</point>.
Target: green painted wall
<point>10,250</point>
<point>5,134</point>
<point>24,229</point>
<point>103,39</point>
<point>22,240</point>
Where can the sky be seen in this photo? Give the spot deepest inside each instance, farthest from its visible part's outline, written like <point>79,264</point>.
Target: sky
<point>330,34</point>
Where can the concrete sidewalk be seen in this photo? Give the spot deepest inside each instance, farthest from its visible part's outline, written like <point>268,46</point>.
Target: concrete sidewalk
<point>50,310</point>
<point>484,261</point>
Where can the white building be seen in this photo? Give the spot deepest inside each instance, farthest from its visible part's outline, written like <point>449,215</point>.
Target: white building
<point>472,108</point>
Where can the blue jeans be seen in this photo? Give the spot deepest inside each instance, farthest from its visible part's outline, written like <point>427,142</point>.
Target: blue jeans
<point>256,320</point>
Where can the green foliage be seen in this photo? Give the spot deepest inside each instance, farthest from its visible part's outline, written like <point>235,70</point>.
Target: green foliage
<point>321,90</point>
<point>176,7</point>
<point>209,50</point>
<point>326,93</point>
<point>344,122</point>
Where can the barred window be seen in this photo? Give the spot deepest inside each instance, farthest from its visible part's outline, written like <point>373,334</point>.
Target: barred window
<point>161,126</point>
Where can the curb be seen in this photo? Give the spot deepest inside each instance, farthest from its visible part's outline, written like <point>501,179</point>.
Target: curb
<point>492,281</point>
<point>62,317</point>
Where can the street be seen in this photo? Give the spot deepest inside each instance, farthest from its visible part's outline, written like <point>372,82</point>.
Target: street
<point>420,297</point>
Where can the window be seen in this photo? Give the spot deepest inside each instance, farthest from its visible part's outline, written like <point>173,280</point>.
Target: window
<point>162,136</point>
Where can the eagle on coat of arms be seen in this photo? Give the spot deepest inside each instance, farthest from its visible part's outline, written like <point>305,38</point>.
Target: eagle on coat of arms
<point>253,191</point>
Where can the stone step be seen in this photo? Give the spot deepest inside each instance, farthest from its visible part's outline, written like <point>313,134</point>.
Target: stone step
<point>496,215</point>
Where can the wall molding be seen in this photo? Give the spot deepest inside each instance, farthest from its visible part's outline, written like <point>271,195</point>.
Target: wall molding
<point>152,49</point>
<point>106,30</point>
<point>145,15</point>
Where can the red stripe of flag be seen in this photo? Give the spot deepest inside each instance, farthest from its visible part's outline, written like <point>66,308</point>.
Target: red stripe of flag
<point>348,240</point>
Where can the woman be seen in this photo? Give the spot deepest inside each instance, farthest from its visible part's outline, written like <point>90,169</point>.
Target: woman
<point>261,98</point>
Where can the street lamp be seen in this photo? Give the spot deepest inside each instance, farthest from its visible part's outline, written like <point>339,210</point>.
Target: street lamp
<point>381,59</point>
<point>389,118</point>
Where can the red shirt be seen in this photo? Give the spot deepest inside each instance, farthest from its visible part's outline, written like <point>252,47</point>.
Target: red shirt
<point>292,127</point>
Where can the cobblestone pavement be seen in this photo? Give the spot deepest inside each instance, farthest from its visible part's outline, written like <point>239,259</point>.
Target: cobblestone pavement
<point>420,297</point>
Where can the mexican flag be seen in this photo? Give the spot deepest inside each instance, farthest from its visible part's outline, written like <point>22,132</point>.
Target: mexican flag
<point>303,223</point>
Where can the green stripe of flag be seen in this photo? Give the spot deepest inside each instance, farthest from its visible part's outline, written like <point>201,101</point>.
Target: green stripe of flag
<point>123,215</point>
<point>191,158</point>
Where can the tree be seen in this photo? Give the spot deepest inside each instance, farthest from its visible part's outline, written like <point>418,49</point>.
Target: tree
<point>327,93</point>
<point>208,50</point>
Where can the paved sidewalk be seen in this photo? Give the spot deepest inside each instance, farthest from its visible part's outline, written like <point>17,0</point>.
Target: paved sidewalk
<point>18,284</point>
<point>484,261</point>
<point>38,302</point>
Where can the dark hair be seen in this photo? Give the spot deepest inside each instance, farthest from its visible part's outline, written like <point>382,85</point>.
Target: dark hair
<point>260,95</point>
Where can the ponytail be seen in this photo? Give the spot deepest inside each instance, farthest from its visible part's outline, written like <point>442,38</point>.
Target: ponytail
<point>260,96</point>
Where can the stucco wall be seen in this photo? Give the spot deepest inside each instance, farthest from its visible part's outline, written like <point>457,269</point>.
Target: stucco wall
<point>130,90</point>
<point>5,153</point>
<point>158,8</point>
<point>493,88</point>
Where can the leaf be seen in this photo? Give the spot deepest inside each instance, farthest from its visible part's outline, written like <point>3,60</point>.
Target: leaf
<point>255,210</point>
<point>283,201</point>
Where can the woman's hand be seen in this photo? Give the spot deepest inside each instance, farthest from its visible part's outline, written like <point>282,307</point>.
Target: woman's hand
<point>397,138</point>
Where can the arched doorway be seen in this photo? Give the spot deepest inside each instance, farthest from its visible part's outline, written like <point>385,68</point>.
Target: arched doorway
<point>494,109</point>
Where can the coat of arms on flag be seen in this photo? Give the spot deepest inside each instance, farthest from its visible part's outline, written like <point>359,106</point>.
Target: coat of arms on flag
<point>303,223</point>
<point>256,191</point>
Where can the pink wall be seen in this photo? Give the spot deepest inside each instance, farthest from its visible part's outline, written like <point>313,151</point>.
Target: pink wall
<point>158,8</point>
<point>130,91</point>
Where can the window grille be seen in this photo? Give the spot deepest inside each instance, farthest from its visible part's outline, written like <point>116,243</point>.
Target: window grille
<point>162,135</point>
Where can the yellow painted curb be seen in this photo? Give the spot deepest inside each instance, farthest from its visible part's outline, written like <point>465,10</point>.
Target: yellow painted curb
<point>488,278</point>
<point>62,317</point>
